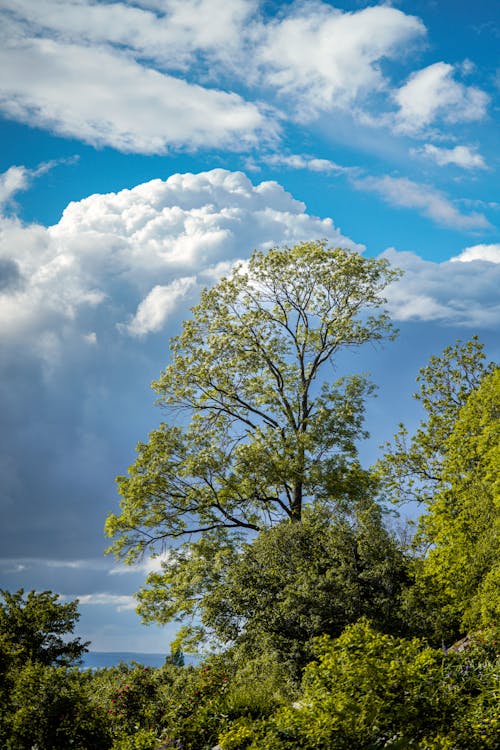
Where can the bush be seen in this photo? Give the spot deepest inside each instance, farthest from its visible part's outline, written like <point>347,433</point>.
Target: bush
<point>50,709</point>
<point>368,690</point>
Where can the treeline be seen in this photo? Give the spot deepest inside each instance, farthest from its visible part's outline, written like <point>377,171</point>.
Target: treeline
<point>328,628</point>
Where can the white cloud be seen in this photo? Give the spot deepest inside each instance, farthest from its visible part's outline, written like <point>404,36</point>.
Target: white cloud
<point>489,253</point>
<point>11,182</point>
<point>169,32</point>
<point>120,602</point>
<point>461,156</point>
<point>104,98</point>
<point>400,191</point>
<point>325,59</point>
<point>451,293</point>
<point>154,309</point>
<point>132,259</point>
<point>108,73</point>
<point>432,93</point>
<point>311,163</point>
<point>18,178</point>
<point>146,566</point>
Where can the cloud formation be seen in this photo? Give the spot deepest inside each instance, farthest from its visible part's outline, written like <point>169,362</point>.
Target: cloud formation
<point>432,93</point>
<point>488,253</point>
<point>326,59</point>
<point>150,76</point>
<point>460,156</point>
<point>102,97</point>
<point>430,202</point>
<point>453,293</point>
<point>126,259</point>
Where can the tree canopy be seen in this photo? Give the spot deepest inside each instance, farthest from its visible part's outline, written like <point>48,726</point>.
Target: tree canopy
<point>412,467</point>
<point>257,425</point>
<point>34,628</point>
<point>451,466</point>
<point>462,526</point>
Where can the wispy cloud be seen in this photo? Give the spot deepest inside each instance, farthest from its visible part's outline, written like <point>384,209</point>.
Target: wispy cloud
<point>144,567</point>
<point>311,163</point>
<point>120,602</point>
<point>430,202</point>
<point>19,178</point>
<point>460,156</point>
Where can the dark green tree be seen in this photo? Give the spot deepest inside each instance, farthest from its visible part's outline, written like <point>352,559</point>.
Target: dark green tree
<point>35,628</point>
<point>298,581</point>
<point>258,427</point>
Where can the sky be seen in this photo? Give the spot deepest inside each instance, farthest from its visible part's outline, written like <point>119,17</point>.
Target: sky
<point>146,146</point>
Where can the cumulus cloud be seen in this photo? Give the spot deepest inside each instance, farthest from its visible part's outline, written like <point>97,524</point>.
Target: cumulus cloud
<point>488,253</point>
<point>432,93</point>
<point>154,309</point>
<point>400,191</point>
<point>450,292</point>
<point>460,156</point>
<point>325,58</point>
<point>130,259</point>
<point>146,77</point>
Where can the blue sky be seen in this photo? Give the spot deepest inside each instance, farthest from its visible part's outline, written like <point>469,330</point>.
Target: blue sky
<point>145,147</point>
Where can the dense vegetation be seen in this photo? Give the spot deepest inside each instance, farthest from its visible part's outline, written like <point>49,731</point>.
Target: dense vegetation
<point>328,630</point>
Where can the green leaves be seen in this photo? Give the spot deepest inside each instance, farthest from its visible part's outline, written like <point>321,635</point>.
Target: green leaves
<point>463,524</point>
<point>411,468</point>
<point>256,425</point>
<point>32,626</point>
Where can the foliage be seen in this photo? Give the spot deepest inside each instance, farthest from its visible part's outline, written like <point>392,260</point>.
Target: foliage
<point>462,526</point>
<point>369,690</point>
<point>50,709</point>
<point>412,469</point>
<point>298,581</point>
<point>266,431</point>
<point>31,628</point>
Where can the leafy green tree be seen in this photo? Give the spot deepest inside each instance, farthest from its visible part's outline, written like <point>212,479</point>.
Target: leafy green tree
<point>257,430</point>
<point>298,581</point>
<point>35,628</point>
<point>462,527</point>
<point>412,468</point>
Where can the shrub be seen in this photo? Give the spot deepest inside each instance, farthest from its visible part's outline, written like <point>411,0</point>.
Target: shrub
<point>50,709</point>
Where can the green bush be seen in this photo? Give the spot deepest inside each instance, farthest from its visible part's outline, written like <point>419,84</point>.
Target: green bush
<point>368,690</point>
<point>50,709</point>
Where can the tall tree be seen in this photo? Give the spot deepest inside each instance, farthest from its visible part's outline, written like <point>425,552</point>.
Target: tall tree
<point>256,429</point>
